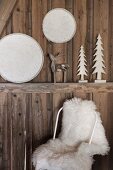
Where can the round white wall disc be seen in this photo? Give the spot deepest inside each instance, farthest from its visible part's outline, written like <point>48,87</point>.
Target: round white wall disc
<point>21,58</point>
<point>59,25</point>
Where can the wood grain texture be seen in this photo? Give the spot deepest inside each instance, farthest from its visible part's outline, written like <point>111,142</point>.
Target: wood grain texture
<point>32,107</point>
<point>18,130</point>
<point>90,37</point>
<point>4,155</point>
<point>42,115</point>
<point>20,17</point>
<point>39,10</point>
<point>92,17</point>
<point>109,128</point>
<point>6,9</point>
<point>102,102</point>
<point>69,46</point>
<point>101,23</point>
<point>111,39</point>
<point>80,13</point>
<point>28,124</point>
<point>35,113</point>
<point>59,48</point>
<point>55,88</point>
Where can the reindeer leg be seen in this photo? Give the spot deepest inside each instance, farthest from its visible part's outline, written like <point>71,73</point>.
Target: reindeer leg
<point>54,76</point>
<point>64,76</point>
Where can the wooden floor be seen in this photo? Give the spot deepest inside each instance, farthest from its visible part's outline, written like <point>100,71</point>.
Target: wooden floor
<point>27,118</point>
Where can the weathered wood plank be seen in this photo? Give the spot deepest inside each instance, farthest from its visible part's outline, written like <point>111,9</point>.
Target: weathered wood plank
<point>39,10</point>
<point>58,48</point>
<point>83,94</point>
<point>9,125</point>
<point>49,50</point>
<point>90,37</point>
<point>101,25</point>
<point>4,33</point>
<point>55,88</point>
<point>80,13</point>
<point>41,121</point>
<point>6,9</point>
<point>111,39</point>
<point>49,112</point>
<point>18,131</point>
<point>4,156</point>
<point>20,17</point>
<point>109,128</point>
<point>69,46</point>
<point>101,101</point>
<point>28,122</point>
<point>58,100</point>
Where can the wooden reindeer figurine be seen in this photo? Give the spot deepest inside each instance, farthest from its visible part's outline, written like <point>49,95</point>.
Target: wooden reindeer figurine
<point>58,67</point>
<point>53,66</point>
<point>63,67</point>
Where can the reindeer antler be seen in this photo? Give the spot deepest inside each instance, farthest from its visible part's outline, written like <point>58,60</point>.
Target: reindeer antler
<point>53,65</point>
<point>52,57</point>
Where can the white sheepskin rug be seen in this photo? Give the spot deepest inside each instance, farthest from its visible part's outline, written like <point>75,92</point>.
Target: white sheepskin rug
<point>71,150</point>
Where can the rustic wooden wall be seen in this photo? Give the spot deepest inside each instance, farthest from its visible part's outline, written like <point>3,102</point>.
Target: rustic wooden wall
<point>92,17</point>
<point>28,118</point>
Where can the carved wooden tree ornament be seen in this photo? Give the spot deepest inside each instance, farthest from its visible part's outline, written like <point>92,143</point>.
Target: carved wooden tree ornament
<point>82,71</point>
<point>99,61</point>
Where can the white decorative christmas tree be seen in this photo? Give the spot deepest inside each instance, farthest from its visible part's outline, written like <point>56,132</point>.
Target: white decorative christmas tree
<point>82,71</point>
<point>99,61</point>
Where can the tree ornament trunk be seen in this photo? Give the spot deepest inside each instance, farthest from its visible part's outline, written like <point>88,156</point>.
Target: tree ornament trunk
<point>99,76</point>
<point>82,77</point>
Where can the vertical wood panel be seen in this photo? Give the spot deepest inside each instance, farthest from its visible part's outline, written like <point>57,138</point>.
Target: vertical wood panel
<point>101,23</point>
<point>101,101</point>
<point>58,100</point>
<point>6,9</point>
<point>39,10</point>
<point>80,13</point>
<point>109,127</point>
<point>83,95</point>
<point>20,17</point>
<point>59,48</point>
<point>4,156</point>
<point>18,130</point>
<point>4,33</point>
<point>28,123</point>
<point>41,118</point>
<point>9,125</point>
<point>49,50</point>
<point>49,112</point>
<point>90,37</point>
<point>69,46</point>
<point>111,39</point>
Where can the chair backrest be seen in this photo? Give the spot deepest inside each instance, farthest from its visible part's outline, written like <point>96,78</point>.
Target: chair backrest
<point>81,122</point>
<point>56,125</point>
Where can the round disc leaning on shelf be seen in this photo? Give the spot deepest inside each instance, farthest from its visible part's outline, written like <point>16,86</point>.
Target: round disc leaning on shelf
<point>59,25</point>
<point>21,58</point>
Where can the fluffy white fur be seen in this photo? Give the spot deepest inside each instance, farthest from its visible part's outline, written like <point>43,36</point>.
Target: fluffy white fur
<point>71,150</point>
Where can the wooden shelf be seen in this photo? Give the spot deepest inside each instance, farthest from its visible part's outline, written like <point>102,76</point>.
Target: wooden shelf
<point>54,88</point>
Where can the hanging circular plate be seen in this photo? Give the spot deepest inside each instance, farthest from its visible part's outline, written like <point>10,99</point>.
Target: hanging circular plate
<point>21,58</point>
<point>59,25</point>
